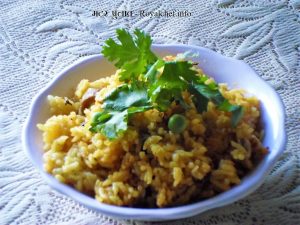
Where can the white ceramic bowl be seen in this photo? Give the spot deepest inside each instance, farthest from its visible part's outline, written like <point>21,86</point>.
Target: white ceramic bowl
<point>227,70</point>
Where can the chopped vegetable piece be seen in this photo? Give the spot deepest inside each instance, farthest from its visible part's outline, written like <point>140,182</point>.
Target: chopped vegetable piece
<point>88,98</point>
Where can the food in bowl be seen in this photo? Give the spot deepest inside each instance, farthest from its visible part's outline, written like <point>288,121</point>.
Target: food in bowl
<point>157,133</point>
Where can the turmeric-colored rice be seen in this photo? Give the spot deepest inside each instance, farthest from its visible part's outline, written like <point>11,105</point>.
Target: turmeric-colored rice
<point>149,166</point>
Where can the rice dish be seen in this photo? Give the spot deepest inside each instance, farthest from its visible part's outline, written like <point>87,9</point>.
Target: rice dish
<point>149,165</point>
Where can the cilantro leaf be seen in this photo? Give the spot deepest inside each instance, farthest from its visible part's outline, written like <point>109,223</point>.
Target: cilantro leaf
<point>177,74</point>
<point>126,96</point>
<point>236,110</point>
<point>199,100</point>
<point>113,123</point>
<point>237,115</point>
<point>227,107</point>
<point>204,93</point>
<point>162,98</point>
<point>143,42</point>
<point>118,106</point>
<point>132,54</point>
<point>151,75</point>
<point>168,86</point>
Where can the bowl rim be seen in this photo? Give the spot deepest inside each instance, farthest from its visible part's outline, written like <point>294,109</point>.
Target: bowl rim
<point>157,214</point>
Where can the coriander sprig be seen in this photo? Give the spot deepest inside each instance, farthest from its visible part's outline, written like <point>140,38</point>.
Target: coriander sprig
<point>146,88</point>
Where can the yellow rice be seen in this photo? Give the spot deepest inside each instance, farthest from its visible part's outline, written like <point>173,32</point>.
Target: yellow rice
<point>161,169</point>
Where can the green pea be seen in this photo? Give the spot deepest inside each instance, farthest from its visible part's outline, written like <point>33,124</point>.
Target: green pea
<point>177,123</point>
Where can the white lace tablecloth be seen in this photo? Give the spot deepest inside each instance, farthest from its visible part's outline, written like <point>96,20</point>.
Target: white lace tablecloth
<point>39,38</point>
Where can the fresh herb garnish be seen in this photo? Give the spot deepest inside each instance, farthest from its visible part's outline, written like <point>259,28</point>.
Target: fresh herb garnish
<point>118,106</point>
<point>170,84</point>
<point>126,96</point>
<point>132,54</point>
<point>151,82</point>
<point>205,93</point>
<point>113,123</point>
